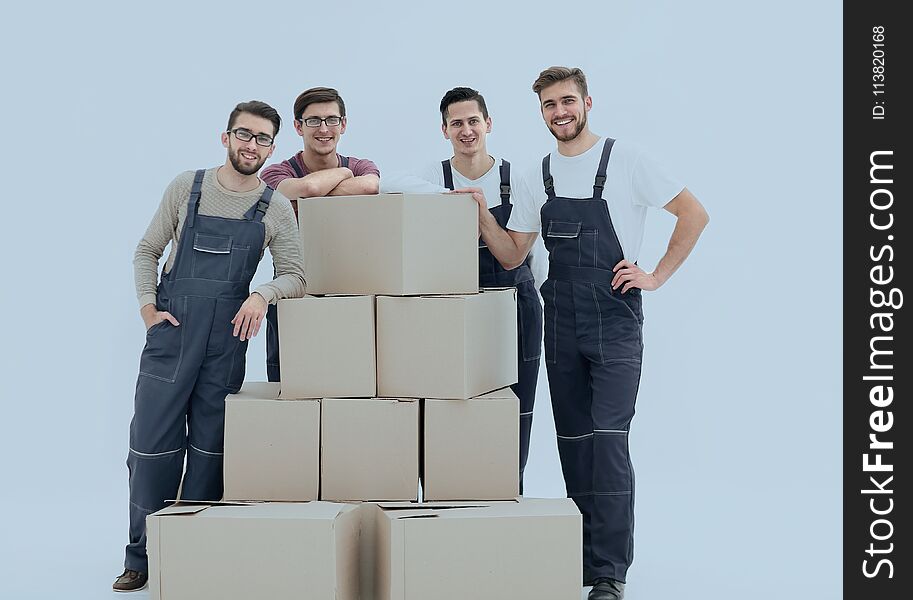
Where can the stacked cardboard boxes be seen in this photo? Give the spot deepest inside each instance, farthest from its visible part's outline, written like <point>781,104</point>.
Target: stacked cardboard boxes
<point>395,376</point>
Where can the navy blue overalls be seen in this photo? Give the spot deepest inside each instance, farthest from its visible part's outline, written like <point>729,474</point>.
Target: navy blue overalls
<point>186,371</point>
<point>272,314</point>
<point>529,310</point>
<point>593,350</point>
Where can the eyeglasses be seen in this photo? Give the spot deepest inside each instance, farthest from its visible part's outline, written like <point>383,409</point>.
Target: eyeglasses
<point>245,135</point>
<point>316,121</point>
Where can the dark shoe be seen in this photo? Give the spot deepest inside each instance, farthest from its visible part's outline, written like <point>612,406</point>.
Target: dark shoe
<point>607,589</point>
<point>130,581</point>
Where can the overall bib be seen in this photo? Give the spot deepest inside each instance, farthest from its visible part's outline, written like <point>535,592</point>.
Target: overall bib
<point>272,313</point>
<point>593,350</point>
<point>529,310</point>
<point>186,371</point>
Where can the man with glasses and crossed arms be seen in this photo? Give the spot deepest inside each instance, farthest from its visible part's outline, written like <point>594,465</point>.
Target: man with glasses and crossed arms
<point>200,317</point>
<point>318,170</point>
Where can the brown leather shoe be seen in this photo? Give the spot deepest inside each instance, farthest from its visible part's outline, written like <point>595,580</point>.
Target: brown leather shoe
<point>130,581</point>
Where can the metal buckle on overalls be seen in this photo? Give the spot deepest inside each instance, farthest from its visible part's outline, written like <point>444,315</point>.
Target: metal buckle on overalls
<point>262,206</point>
<point>600,181</point>
<point>505,190</point>
<point>550,183</point>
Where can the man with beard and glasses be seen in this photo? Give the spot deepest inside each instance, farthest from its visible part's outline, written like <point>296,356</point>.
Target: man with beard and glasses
<point>318,170</point>
<point>200,317</point>
<point>589,200</point>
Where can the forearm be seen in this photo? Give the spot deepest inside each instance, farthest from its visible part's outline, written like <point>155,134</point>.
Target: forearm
<point>313,185</point>
<point>357,186</point>
<point>288,262</point>
<point>146,257</point>
<point>145,274</point>
<point>500,243</point>
<point>688,228</point>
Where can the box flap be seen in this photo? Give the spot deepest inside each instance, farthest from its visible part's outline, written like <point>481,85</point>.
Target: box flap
<point>256,390</point>
<point>503,393</point>
<point>181,509</point>
<point>316,510</point>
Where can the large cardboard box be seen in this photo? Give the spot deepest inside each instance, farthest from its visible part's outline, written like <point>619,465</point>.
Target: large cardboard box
<point>326,347</point>
<point>272,447</point>
<point>273,550</point>
<point>472,448</point>
<point>446,346</point>
<point>369,449</point>
<point>398,244</point>
<point>531,549</point>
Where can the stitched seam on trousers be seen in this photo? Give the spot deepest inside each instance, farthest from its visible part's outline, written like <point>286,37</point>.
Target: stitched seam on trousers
<point>599,318</point>
<point>574,437</point>
<point>192,447</point>
<point>610,431</point>
<point>150,375</point>
<point>628,359</point>
<point>155,454</point>
<point>554,323</point>
<point>526,414</point>
<point>142,508</point>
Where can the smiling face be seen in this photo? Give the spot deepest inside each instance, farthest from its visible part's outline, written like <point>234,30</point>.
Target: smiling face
<point>321,140</point>
<point>466,127</point>
<point>565,110</point>
<point>247,157</point>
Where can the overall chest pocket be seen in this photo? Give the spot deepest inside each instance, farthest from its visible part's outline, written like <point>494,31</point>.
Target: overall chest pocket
<point>572,243</point>
<point>216,258</point>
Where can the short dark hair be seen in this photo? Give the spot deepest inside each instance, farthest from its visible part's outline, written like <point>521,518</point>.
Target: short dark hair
<point>316,95</point>
<point>259,109</point>
<point>462,94</point>
<point>553,75</point>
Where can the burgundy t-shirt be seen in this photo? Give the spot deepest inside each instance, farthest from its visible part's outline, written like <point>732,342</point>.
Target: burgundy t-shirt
<point>273,175</point>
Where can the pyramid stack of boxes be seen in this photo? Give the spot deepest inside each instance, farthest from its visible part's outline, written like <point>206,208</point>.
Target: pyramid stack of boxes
<point>394,389</point>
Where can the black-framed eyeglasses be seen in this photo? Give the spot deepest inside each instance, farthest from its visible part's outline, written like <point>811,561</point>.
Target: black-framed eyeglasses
<point>245,135</point>
<point>316,121</point>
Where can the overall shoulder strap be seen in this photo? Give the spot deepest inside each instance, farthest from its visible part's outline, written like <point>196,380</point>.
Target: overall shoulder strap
<point>259,209</point>
<point>343,160</point>
<point>293,163</point>
<point>505,182</point>
<point>448,174</point>
<point>193,204</point>
<point>547,177</point>
<point>599,185</point>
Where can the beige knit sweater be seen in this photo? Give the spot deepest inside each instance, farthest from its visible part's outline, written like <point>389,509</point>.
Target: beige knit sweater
<point>282,237</point>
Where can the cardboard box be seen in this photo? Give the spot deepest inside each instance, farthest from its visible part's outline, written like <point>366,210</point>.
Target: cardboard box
<point>472,448</point>
<point>446,346</point>
<point>275,550</point>
<point>326,347</point>
<point>531,549</point>
<point>272,447</point>
<point>397,244</point>
<point>369,449</point>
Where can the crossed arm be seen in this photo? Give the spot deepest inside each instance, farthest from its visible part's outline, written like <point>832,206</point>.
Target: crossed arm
<point>339,181</point>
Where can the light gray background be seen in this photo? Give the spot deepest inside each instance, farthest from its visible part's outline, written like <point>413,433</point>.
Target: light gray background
<point>737,436</point>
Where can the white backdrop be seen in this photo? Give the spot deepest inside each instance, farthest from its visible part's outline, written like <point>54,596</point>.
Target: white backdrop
<point>737,438</point>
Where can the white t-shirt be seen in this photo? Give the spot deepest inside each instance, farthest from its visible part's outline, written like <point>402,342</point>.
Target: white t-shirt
<point>397,181</point>
<point>634,182</point>
<point>490,183</point>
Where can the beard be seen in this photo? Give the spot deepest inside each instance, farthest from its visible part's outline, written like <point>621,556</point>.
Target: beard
<point>581,124</point>
<point>234,157</point>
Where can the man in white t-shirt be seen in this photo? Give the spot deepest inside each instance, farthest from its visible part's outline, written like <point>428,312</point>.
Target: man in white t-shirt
<point>589,200</point>
<point>466,124</point>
